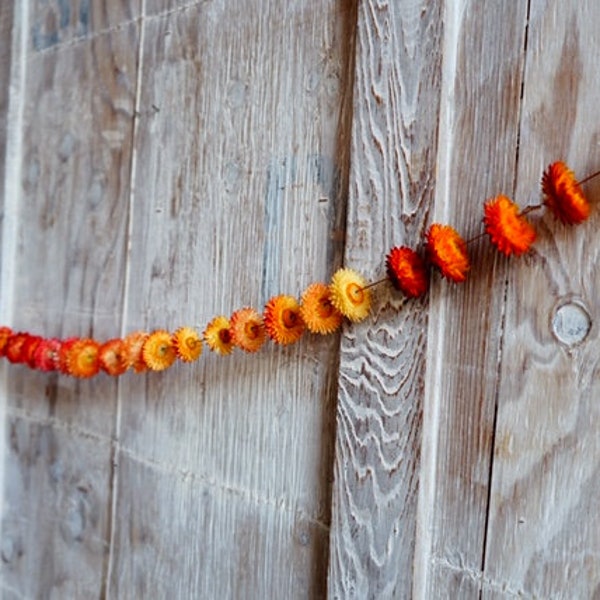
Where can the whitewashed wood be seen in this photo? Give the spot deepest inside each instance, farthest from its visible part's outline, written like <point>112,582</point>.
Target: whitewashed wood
<point>484,58</point>
<point>70,231</point>
<point>224,468</point>
<point>544,531</point>
<point>382,365</point>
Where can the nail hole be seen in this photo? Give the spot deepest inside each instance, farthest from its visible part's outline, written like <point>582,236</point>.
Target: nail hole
<point>571,323</point>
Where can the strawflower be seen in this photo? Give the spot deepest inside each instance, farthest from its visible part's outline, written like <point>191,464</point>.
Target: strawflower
<point>282,318</point>
<point>509,230</point>
<point>217,335</point>
<point>349,294</point>
<point>317,311</point>
<point>112,357</point>
<point>82,358</point>
<point>14,346</point>
<point>407,271</point>
<point>563,194</point>
<point>247,329</point>
<point>133,347</point>
<point>5,333</point>
<point>159,351</point>
<point>448,251</point>
<point>188,344</point>
<point>46,355</point>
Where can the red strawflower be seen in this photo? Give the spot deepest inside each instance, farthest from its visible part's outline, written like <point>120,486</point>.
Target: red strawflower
<point>407,271</point>
<point>46,355</point>
<point>448,251</point>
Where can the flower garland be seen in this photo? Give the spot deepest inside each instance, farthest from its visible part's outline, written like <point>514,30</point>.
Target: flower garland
<point>321,308</point>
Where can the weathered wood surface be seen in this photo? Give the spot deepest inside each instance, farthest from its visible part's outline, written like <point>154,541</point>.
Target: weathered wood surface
<point>506,476</point>
<point>168,160</point>
<point>177,162</point>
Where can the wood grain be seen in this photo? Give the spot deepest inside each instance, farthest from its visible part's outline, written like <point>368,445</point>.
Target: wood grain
<point>382,365</point>
<point>69,265</point>
<point>483,70</point>
<point>543,538</point>
<point>225,467</point>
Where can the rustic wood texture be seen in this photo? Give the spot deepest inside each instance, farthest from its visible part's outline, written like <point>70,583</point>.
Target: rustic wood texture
<point>177,162</point>
<point>237,198</point>
<point>380,404</point>
<point>543,538</point>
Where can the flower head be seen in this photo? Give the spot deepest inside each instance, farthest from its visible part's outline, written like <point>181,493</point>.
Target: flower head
<point>158,351</point>
<point>407,271</point>
<point>247,329</point>
<point>133,347</point>
<point>5,333</point>
<point>112,357</point>
<point>563,195</point>
<point>282,318</point>
<point>62,360</point>
<point>14,346</point>
<point>448,251</point>
<point>509,231</point>
<point>46,355</point>
<point>82,359</point>
<point>217,335</point>
<point>28,350</point>
<point>350,295</point>
<point>188,344</point>
<point>317,311</point>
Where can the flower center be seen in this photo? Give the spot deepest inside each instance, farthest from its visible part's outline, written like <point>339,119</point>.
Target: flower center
<point>289,318</point>
<point>355,293</point>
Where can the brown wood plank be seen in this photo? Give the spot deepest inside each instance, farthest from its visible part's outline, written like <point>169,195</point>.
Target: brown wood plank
<point>69,272</point>
<point>544,530</point>
<point>484,56</point>
<point>238,170</point>
<point>379,415</point>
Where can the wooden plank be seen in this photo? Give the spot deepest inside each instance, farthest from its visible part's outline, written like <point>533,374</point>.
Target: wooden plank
<point>543,537</point>
<point>239,159</point>
<point>483,66</point>
<point>71,238</point>
<point>379,415</point>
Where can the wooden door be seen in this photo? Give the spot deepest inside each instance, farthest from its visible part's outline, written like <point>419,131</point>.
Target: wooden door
<point>164,162</point>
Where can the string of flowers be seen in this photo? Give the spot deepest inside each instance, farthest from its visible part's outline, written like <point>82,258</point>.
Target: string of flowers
<point>321,308</point>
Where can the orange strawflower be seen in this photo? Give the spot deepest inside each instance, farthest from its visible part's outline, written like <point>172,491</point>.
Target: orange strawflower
<point>349,294</point>
<point>247,329</point>
<point>159,351</point>
<point>563,195</point>
<point>46,355</point>
<point>188,344</point>
<point>448,251</point>
<point>407,271</point>
<point>112,357</point>
<point>82,358</point>
<point>62,360</point>
<point>133,346</point>
<point>218,336</point>
<point>509,231</point>
<point>317,311</point>
<point>282,318</point>
<point>5,333</point>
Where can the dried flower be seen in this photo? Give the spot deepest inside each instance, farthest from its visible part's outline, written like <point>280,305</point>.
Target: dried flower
<point>14,346</point>
<point>83,358</point>
<point>63,354</point>
<point>317,311</point>
<point>448,251</point>
<point>247,329</point>
<point>282,318</point>
<point>5,333</point>
<point>218,336</point>
<point>28,350</point>
<point>159,351</point>
<point>133,351</point>
<point>188,344</point>
<point>407,271</point>
<point>563,195</point>
<point>509,231</point>
<point>113,358</point>
<point>46,355</point>
<point>349,294</point>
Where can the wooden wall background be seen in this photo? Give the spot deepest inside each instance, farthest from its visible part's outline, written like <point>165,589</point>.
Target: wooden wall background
<point>165,161</point>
